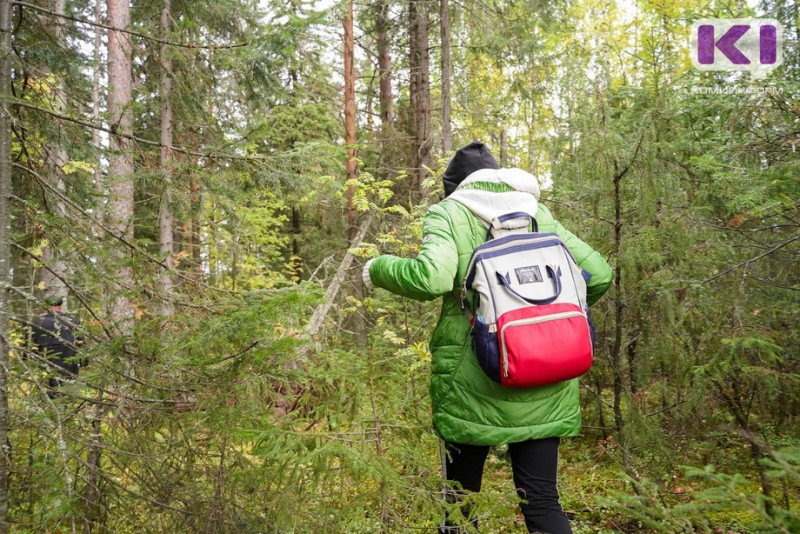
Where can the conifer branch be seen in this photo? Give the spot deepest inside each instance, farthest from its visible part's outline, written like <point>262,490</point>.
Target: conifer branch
<point>573,207</point>
<point>121,238</point>
<point>141,140</point>
<point>79,20</point>
<point>747,263</point>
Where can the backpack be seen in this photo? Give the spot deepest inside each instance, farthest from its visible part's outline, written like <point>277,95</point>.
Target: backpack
<point>529,315</point>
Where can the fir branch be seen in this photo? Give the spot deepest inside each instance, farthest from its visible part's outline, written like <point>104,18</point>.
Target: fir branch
<point>747,263</point>
<point>572,206</point>
<point>118,394</point>
<point>119,237</point>
<point>122,30</point>
<point>208,155</point>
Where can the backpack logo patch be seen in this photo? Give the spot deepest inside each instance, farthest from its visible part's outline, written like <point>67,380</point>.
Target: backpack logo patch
<point>529,274</point>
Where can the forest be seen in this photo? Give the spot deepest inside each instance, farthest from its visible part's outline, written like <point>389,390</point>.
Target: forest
<point>201,183</point>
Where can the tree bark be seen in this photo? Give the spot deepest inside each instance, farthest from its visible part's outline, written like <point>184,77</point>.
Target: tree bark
<point>619,307</point>
<point>447,139</point>
<point>757,449</point>
<point>5,251</point>
<point>196,203</point>
<point>99,182</point>
<point>420,88</point>
<point>94,460</point>
<point>382,24</point>
<point>350,117</point>
<point>297,235</point>
<point>165,215</point>
<point>503,148</point>
<point>120,216</point>
<point>94,495</point>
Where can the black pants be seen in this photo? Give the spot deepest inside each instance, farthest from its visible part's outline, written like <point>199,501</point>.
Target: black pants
<point>535,467</point>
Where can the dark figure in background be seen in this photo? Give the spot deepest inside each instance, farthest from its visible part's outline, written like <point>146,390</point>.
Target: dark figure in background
<point>56,338</point>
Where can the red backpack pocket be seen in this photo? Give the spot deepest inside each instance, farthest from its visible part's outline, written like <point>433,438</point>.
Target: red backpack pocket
<point>541,345</point>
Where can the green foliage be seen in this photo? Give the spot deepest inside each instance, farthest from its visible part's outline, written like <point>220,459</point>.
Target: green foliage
<point>225,418</point>
<point>707,501</point>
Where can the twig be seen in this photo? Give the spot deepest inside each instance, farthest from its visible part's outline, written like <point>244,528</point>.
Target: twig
<point>119,237</point>
<point>236,355</point>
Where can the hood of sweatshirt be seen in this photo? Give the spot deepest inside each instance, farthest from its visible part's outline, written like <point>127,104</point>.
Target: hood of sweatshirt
<point>478,194</point>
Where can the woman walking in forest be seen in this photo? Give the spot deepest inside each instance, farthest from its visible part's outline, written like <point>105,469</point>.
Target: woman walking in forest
<point>471,412</point>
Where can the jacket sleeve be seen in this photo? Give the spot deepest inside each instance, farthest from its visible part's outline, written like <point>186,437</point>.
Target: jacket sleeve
<point>432,272</point>
<point>589,260</point>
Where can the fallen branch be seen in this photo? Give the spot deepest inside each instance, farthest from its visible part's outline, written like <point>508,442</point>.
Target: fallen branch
<point>314,325</point>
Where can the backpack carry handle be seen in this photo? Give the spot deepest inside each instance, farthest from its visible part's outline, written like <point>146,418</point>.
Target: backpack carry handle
<point>519,215</point>
<point>510,216</point>
<point>553,273</point>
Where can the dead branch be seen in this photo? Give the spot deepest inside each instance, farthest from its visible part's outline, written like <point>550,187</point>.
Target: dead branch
<point>314,325</point>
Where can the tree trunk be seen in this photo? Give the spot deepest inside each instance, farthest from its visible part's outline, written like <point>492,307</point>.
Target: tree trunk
<point>619,308</point>
<point>165,215</point>
<point>447,139</point>
<point>99,183</point>
<point>757,449</point>
<point>196,203</point>
<point>55,157</point>
<point>350,117</point>
<point>94,495</point>
<point>5,251</point>
<point>420,88</point>
<point>321,311</point>
<point>384,66</point>
<point>189,242</point>
<point>297,235</point>
<point>503,148</point>
<point>120,212</point>
<point>94,458</point>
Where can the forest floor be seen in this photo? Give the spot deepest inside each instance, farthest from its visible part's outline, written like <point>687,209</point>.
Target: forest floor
<point>599,497</point>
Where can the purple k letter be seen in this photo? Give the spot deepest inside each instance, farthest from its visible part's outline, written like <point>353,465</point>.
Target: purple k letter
<point>726,44</point>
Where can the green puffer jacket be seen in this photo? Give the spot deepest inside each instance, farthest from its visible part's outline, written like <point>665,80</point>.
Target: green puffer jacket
<point>468,407</point>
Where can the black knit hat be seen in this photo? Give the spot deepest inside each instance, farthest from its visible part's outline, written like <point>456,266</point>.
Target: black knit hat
<point>473,157</point>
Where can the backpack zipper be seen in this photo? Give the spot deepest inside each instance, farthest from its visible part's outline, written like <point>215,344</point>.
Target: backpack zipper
<point>531,320</point>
